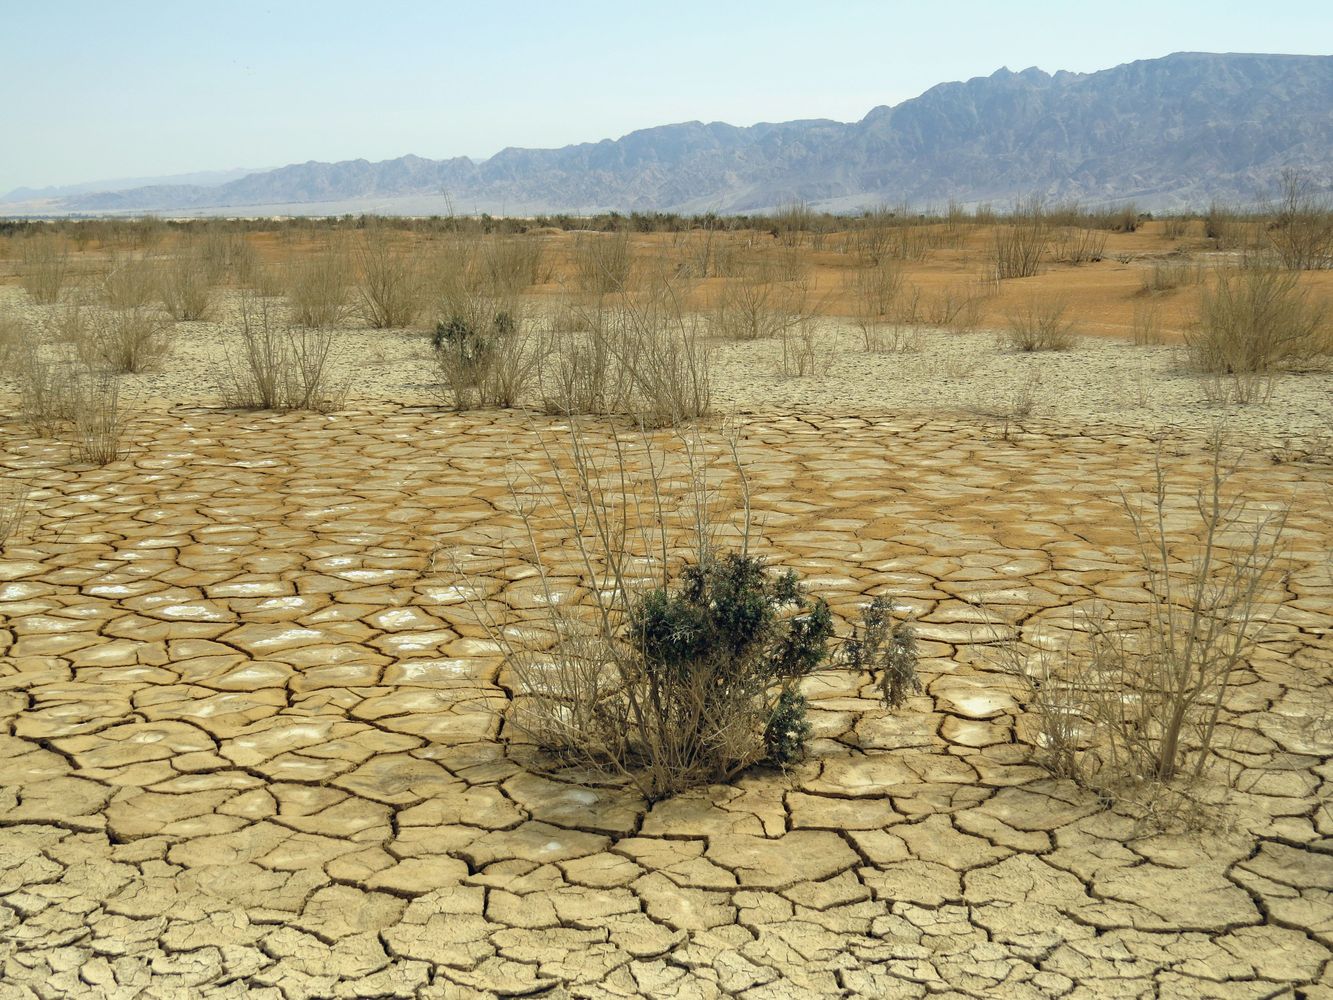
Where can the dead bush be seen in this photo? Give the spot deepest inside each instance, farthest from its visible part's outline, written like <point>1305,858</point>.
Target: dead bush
<point>318,287</point>
<point>1142,697</point>
<point>130,281</point>
<point>280,367</point>
<point>128,341</point>
<point>391,285</point>
<point>43,267</point>
<point>603,262</point>
<point>1017,249</point>
<point>185,284</point>
<point>1040,325</point>
<point>1258,319</point>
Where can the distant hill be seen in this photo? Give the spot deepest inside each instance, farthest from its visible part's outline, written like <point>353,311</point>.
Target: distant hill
<point>1171,132</point>
<point>202,178</point>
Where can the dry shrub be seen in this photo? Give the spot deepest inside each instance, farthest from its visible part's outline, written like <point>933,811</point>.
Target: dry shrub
<point>99,422</point>
<point>1175,228</point>
<point>1165,275</point>
<point>603,263</point>
<point>1147,326</point>
<point>1301,233</point>
<point>185,284</point>
<point>805,349</point>
<point>512,264</point>
<point>1142,697</point>
<point>46,400</point>
<point>318,287</point>
<point>487,354</point>
<point>875,292</point>
<point>130,281</point>
<point>13,505</point>
<point>1078,246</point>
<point>127,340</point>
<point>14,334</point>
<point>646,355</point>
<point>391,285</point>
<point>756,307</point>
<point>281,367</point>
<point>956,308</point>
<point>1257,319</point>
<point>1040,325</point>
<point>43,266</point>
<point>1017,249</point>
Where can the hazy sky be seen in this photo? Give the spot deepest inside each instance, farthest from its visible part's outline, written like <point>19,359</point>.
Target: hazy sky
<point>101,89</point>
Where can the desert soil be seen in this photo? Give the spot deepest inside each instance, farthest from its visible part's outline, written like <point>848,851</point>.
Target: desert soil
<point>250,732</point>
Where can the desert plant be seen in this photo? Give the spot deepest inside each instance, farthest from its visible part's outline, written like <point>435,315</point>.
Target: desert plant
<point>487,353</point>
<point>805,350</point>
<point>318,285</point>
<point>1147,327</point>
<point>1301,232</point>
<point>875,291</point>
<point>1143,698</point>
<point>957,308</point>
<point>127,341</point>
<point>43,265</point>
<point>1257,319</point>
<point>602,262</point>
<point>1165,275</point>
<point>390,287</point>
<point>1078,245</point>
<point>130,282</point>
<point>752,307</point>
<point>14,334</point>
<point>13,505</point>
<point>1017,248</point>
<point>281,367</point>
<point>1040,325</point>
<point>880,645</point>
<point>99,421</point>
<point>46,401</point>
<point>185,284</point>
<point>681,667</point>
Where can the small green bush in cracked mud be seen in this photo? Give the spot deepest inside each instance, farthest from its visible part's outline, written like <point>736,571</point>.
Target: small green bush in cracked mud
<point>878,644</point>
<point>721,652</point>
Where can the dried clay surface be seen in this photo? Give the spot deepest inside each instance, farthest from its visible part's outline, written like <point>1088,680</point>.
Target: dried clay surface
<point>251,745</point>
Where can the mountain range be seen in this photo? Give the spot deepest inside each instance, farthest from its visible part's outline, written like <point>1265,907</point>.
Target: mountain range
<point>1174,132</point>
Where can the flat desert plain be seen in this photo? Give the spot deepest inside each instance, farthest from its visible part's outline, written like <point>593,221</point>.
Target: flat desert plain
<point>253,734</point>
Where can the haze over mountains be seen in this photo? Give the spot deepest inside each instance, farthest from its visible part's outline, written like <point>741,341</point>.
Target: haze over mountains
<point>1173,132</point>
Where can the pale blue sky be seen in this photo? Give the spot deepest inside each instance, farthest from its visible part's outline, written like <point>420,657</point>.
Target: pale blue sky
<point>94,90</point>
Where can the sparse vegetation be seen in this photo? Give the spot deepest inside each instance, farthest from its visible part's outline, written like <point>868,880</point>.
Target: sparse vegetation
<point>1142,698</point>
<point>391,288</point>
<point>280,367</point>
<point>185,284</point>
<point>1258,319</point>
<point>1040,325</point>
<point>43,264</point>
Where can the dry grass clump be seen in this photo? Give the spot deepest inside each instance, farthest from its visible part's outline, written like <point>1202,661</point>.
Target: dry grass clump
<point>805,348</point>
<point>1040,325</point>
<point>1164,275</point>
<point>510,265</point>
<point>13,505</point>
<point>99,421</point>
<point>758,306</point>
<point>1147,327</point>
<point>43,267</point>
<point>130,281</point>
<point>46,401</point>
<point>1257,319</point>
<point>956,307</point>
<point>14,334</point>
<point>391,281</point>
<point>318,287</point>
<point>185,283</point>
<point>602,262</point>
<point>1078,245</point>
<point>1142,698</point>
<point>128,340</point>
<point>280,367</point>
<point>646,355</point>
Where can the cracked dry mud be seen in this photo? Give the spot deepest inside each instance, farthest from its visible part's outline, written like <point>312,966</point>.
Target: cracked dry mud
<point>248,741</point>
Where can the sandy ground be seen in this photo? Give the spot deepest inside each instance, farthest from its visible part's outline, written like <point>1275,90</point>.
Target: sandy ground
<point>1102,381</point>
